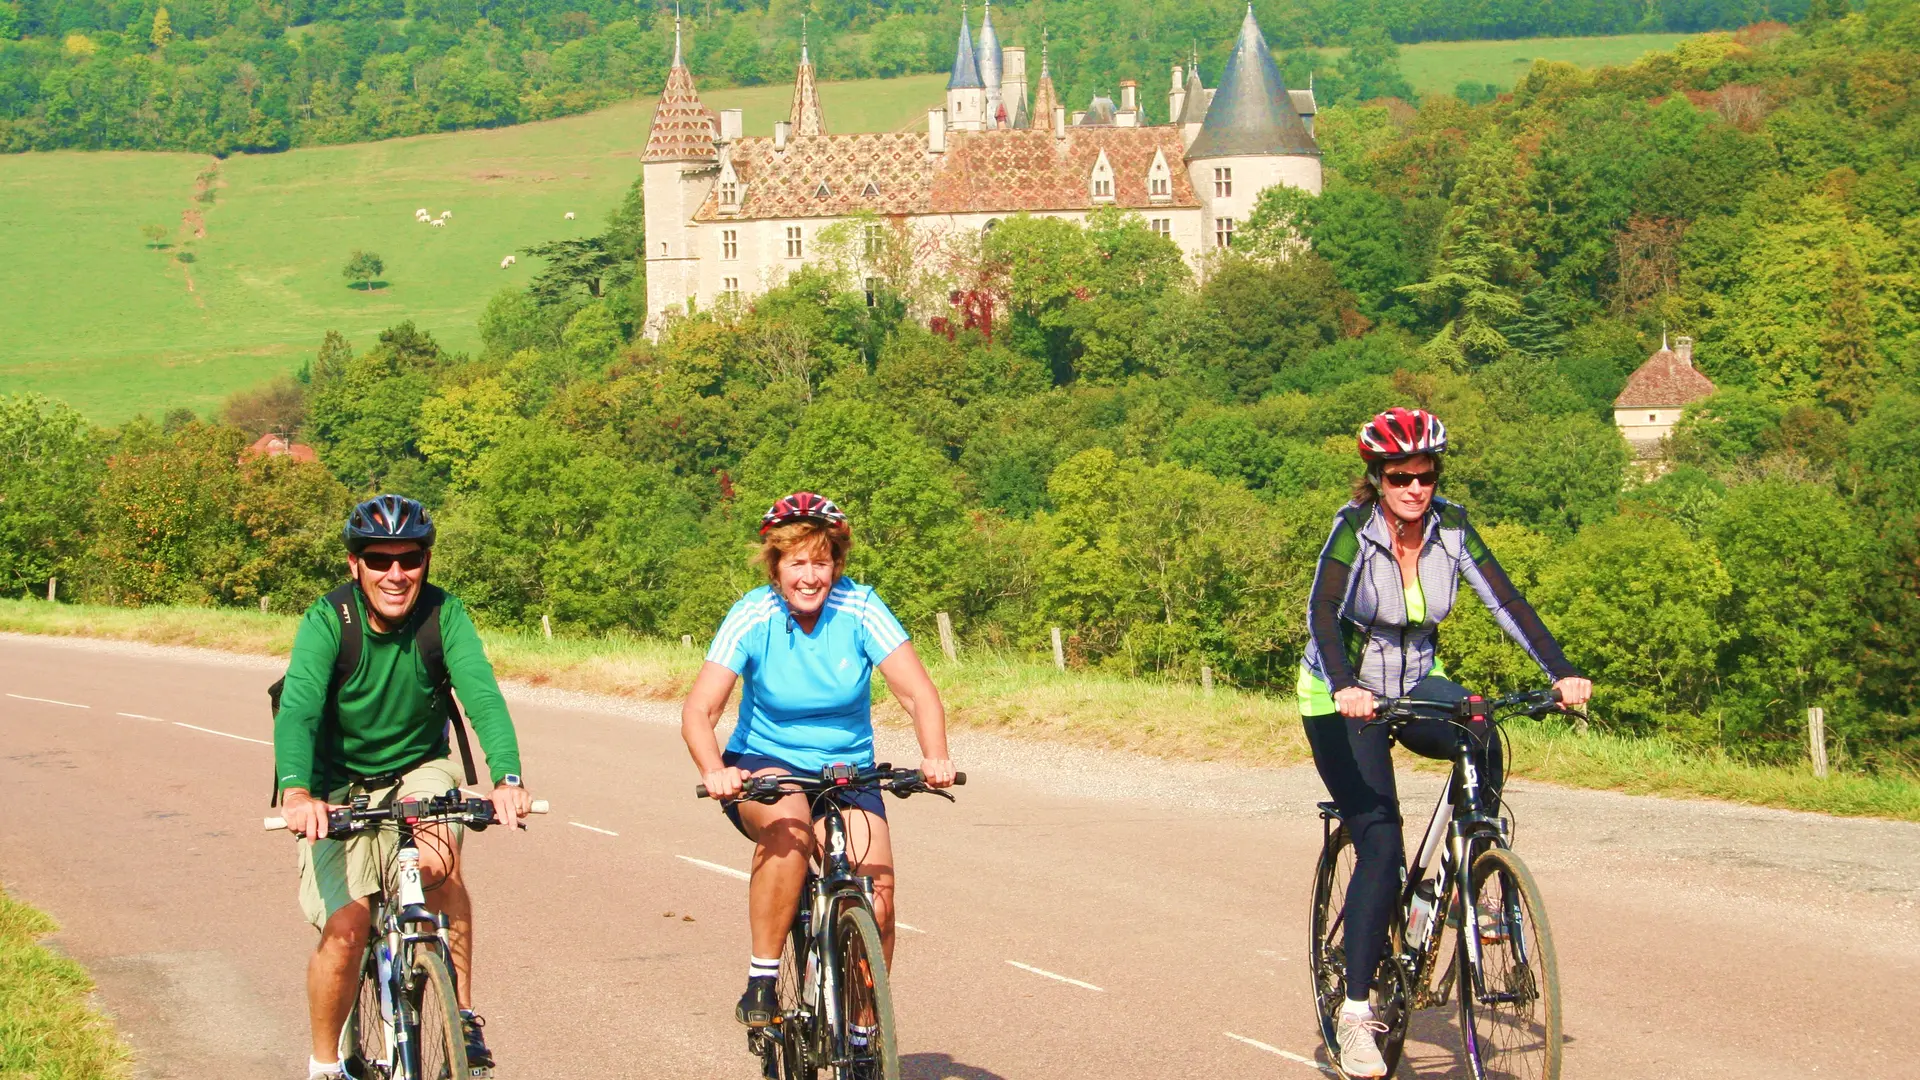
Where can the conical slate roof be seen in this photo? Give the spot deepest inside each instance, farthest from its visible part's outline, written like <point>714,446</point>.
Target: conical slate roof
<point>683,127</point>
<point>1251,113</point>
<point>966,71</point>
<point>988,53</point>
<point>1194,109</point>
<point>1100,113</point>
<point>805,115</point>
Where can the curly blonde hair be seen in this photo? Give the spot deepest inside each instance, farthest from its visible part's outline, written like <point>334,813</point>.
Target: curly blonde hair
<point>784,540</point>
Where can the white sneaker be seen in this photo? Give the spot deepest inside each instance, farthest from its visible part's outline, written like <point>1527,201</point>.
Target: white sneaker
<point>1359,1045</point>
<point>332,1071</point>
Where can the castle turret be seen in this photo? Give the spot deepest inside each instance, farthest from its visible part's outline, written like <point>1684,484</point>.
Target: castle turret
<point>805,115</point>
<point>1252,138</point>
<point>678,169</point>
<point>990,70</point>
<point>966,94</point>
<point>1013,86</point>
<point>1193,104</point>
<point>1045,100</point>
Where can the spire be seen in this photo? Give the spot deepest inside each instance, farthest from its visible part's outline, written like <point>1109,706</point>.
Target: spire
<point>683,127</point>
<point>990,65</point>
<point>676,36</point>
<point>966,70</point>
<point>1252,113</point>
<point>1194,109</point>
<point>805,115</point>
<point>1045,99</point>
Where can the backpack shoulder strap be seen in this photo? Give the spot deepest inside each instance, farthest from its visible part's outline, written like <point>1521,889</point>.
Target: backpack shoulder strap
<point>345,660</point>
<point>433,653</point>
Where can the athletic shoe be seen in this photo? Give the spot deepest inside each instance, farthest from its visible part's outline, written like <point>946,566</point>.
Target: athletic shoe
<point>479,1058</point>
<point>1359,1050</point>
<point>758,1004</point>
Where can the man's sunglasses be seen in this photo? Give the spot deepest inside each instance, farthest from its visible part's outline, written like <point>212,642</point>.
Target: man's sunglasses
<point>1404,479</point>
<point>382,561</point>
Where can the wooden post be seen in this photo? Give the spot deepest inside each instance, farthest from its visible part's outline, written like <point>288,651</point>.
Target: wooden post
<point>1059,654</point>
<point>546,627</point>
<point>1817,739</point>
<point>1206,678</point>
<point>263,603</point>
<point>946,636</point>
<point>52,583</point>
<point>686,641</point>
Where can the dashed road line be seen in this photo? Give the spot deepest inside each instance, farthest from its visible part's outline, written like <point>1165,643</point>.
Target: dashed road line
<point>224,734</point>
<point>593,828</point>
<point>716,867</point>
<point>1055,975</point>
<point>50,701</point>
<point>898,925</point>
<point>1288,1054</point>
<point>137,716</point>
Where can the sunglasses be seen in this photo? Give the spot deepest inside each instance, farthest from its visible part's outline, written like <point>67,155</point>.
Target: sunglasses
<point>382,561</point>
<point>1405,479</point>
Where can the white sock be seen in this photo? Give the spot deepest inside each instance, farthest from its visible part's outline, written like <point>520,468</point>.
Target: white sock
<point>1356,1010</point>
<point>859,1035</point>
<point>762,969</point>
<point>317,1069</point>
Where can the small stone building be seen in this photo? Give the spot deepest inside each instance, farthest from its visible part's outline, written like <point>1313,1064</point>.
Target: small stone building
<point>1656,392</point>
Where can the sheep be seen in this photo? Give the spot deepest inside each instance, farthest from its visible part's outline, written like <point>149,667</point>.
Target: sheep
<point>445,214</point>
<point>421,214</point>
<point>569,215</point>
<point>508,261</point>
<point>438,223</point>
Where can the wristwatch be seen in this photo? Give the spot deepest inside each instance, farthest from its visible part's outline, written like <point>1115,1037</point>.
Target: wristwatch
<point>512,780</point>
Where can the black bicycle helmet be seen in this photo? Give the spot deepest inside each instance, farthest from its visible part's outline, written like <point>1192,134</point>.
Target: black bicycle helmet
<point>386,518</point>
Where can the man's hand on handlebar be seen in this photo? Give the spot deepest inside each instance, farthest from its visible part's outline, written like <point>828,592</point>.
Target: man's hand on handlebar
<point>1574,691</point>
<point>306,816</point>
<point>510,803</point>
<point>725,782</point>
<point>1355,702</point>
<point>938,772</point>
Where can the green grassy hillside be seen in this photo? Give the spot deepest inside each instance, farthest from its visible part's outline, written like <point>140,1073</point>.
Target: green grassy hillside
<point>1436,67</point>
<point>96,317</point>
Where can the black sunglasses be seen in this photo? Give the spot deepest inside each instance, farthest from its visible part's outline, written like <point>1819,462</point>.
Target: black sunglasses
<point>382,561</point>
<point>1402,479</point>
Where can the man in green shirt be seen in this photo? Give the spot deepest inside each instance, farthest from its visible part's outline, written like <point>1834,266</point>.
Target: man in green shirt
<point>383,732</point>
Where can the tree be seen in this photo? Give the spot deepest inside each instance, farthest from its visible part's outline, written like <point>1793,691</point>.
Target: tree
<point>1371,67</point>
<point>1558,476</point>
<point>155,234</point>
<point>1268,318</point>
<point>1850,371</point>
<point>364,417</point>
<point>49,469</point>
<point>363,269</point>
<point>162,28</point>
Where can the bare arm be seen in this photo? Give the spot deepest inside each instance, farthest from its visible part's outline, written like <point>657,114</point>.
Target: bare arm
<point>908,679</point>
<point>699,716</point>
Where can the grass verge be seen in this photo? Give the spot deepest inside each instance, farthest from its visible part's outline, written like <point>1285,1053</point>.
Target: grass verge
<point>48,1030</point>
<point>1014,695</point>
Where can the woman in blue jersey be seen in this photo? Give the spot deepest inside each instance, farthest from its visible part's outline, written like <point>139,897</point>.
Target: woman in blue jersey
<point>807,644</point>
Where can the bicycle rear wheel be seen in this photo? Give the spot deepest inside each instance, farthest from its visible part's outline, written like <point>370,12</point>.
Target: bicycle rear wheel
<point>438,1048</point>
<point>363,1041</point>
<point>1327,957</point>
<point>865,1000</point>
<point>1510,1008</point>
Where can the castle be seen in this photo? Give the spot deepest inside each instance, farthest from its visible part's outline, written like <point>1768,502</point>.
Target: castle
<point>730,216</point>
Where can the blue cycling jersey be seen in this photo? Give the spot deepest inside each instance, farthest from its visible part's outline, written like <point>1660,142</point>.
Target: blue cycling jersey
<point>807,698</point>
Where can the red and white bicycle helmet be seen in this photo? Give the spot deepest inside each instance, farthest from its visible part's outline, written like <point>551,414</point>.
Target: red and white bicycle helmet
<point>1402,433</point>
<point>803,506</point>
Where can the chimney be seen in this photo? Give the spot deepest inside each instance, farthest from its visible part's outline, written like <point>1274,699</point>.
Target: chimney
<point>1059,121</point>
<point>1078,116</point>
<point>937,131</point>
<point>781,129</point>
<point>730,125</point>
<point>1683,348</point>
<point>1129,95</point>
<point>1176,97</point>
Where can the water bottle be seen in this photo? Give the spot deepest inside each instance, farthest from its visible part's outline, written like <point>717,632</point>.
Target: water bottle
<point>1421,918</point>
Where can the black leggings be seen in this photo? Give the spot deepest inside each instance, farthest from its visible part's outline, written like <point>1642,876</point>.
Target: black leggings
<point>1357,767</point>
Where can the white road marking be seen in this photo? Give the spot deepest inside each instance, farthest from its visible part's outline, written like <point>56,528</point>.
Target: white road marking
<point>137,716</point>
<point>592,828</point>
<point>910,929</point>
<point>716,867</point>
<point>1052,975</point>
<point>1289,1055</point>
<point>49,701</point>
<point>225,734</point>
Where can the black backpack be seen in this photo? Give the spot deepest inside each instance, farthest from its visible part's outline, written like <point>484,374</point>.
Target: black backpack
<point>425,623</point>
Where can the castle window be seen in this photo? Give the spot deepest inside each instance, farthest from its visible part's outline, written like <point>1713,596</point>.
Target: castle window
<point>1653,418</point>
<point>793,241</point>
<point>729,194</point>
<point>876,240</point>
<point>1159,187</point>
<point>992,224</point>
<point>873,291</point>
<point>1222,183</point>
<point>1162,227</point>
<point>1103,188</point>
<point>729,243</point>
<point>730,286</point>
<point>1223,232</point>
<point>663,249</point>
<point>1102,179</point>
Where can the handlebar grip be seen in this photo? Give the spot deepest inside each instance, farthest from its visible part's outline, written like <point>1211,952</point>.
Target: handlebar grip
<point>699,791</point>
<point>959,779</point>
<point>1554,696</point>
<point>275,824</point>
<point>539,807</point>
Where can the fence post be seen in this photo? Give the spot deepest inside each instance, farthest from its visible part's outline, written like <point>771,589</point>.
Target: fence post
<point>686,641</point>
<point>52,582</point>
<point>1059,653</point>
<point>546,627</point>
<point>263,603</point>
<point>946,636</point>
<point>1206,678</point>
<point>1817,739</point>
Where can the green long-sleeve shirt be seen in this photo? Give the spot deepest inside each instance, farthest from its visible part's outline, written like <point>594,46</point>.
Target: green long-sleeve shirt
<point>388,716</point>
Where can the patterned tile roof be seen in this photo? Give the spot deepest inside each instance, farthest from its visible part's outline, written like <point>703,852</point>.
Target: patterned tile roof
<point>683,127</point>
<point>805,116</point>
<point>1664,382</point>
<point>1045,100</point>
<point>995,172</point>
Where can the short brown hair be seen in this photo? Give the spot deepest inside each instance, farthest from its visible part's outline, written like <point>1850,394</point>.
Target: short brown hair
<point>785,539</point>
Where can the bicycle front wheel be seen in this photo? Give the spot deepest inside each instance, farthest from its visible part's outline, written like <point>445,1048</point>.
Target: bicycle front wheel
<point>1510,1005</point>
<point>867,1047</point>
<point>437,1047</point>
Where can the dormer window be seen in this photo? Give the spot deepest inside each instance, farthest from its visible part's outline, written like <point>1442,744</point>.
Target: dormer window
<point>729,194</point>
<point>1160,179</point>
<point>729,185</point>
<point>872,191</point>
<point>1102,179</point>
<point>823,191</point>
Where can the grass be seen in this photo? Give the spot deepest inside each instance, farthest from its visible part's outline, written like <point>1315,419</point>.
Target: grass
<point>1021,697</point>
<point>1436,67</point>
<point>96,317</point>
<point>48,1029</point>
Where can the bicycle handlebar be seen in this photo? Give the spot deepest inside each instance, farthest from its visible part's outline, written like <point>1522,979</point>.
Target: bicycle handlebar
<point>773,787</point>
<point>346,820</point>
<point>1530,702</point>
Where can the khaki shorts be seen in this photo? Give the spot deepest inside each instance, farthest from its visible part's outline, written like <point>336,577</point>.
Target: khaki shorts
<point>335,873</point>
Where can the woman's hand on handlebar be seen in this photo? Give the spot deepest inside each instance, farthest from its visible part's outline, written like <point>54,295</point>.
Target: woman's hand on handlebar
<point>1355,702</point>
<point>305,815</point>
<point>1574,691</point>
<point>726,782</point>
<point>938,772</point>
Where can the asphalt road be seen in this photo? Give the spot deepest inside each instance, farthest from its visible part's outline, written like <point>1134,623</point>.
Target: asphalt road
<point>1075,914</point>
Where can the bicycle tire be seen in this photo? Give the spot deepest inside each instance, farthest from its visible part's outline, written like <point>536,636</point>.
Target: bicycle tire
<point>1513,1032</point>
<point>363,1043</point>
<point>439,1050</point>
<point>796,1037</point>
<point>1327,958</point>
<point>864,993</point>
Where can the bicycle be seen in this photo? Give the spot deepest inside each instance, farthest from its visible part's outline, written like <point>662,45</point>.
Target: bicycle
<point>833,972</point>
<point>405,1022</point>
<point>1506,973</point>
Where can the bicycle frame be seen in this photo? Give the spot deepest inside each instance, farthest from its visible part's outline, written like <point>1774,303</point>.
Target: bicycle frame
<point>825,894</point>
<point>397,928</point>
